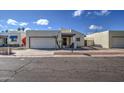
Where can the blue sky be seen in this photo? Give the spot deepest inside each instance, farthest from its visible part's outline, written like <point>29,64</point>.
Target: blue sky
<point>84,21</point>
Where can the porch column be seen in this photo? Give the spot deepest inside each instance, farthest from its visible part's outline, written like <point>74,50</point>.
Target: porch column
<point>74,41</point>
<point>60,39</point>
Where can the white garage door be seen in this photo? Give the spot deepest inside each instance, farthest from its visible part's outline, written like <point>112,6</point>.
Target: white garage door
<point>42,43</point>
<point>118,42</point>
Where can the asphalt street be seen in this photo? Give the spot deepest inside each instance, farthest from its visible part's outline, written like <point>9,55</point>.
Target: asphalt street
<point>68,69</point>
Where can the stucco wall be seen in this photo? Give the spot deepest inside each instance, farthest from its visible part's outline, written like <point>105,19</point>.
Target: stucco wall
<point>1,41</point>
<point>81,36</point>
<point>100,39</point>
<point>18,34</point>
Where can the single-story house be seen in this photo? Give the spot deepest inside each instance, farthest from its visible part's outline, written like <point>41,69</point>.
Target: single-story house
<point>107,39</point>
<point>54,38</point>
<point>12,38</point>
<point>3,40</point>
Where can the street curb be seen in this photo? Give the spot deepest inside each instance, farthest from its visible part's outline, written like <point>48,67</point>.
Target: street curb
<point>5,56</point>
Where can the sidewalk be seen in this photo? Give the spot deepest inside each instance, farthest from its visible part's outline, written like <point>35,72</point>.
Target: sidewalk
<point>94,53</point>
<point>66,53</point>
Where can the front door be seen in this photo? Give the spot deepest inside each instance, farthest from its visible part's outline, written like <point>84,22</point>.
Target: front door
<point>64,42</point>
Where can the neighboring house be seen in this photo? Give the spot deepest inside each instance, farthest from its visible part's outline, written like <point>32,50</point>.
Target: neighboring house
<point>54,38</point>
<point>107,39</point>
<point>3,40</point>
<point>63,38</point>
<point>12,38</point>
<point>89,41</point>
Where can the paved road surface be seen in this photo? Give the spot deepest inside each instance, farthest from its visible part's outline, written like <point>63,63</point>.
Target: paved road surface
<point>61,69</point>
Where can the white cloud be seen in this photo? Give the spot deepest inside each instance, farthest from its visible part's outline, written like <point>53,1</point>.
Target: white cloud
<point>1,26</point>
<point>23,24</point>
<point>77,13</point>
<point>12,22</point>
<point>95,27</point>
<point>102,13</point>
<point>88,13</point>
<point>11,29</point>
<point>27,28</point>
<point>49,28</point>
<point>42,22</point>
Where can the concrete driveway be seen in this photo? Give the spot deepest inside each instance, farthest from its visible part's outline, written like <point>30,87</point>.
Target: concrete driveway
<point>33,52</point>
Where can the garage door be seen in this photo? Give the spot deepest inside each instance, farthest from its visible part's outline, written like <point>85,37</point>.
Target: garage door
<point>42,43</point>
<point>118,42</point>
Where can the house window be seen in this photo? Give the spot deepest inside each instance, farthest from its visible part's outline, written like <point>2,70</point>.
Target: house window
<point>13,38</point>
<point>77,39</point>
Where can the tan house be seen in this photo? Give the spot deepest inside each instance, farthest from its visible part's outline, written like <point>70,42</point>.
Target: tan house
<point>107,39</point>
<point>54,38</point>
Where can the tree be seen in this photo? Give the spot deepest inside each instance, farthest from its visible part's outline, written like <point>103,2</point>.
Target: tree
<point>23,29</point>
<point>19,29</point>
<point>6,30</point>
<point>2,31</point>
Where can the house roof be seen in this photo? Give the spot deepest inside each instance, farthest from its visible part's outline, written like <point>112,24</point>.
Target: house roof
<point>44,30</point>
<point>107,31</point>
<point>65,32</point>
<point>41,33</point>
<point>3,36</point>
